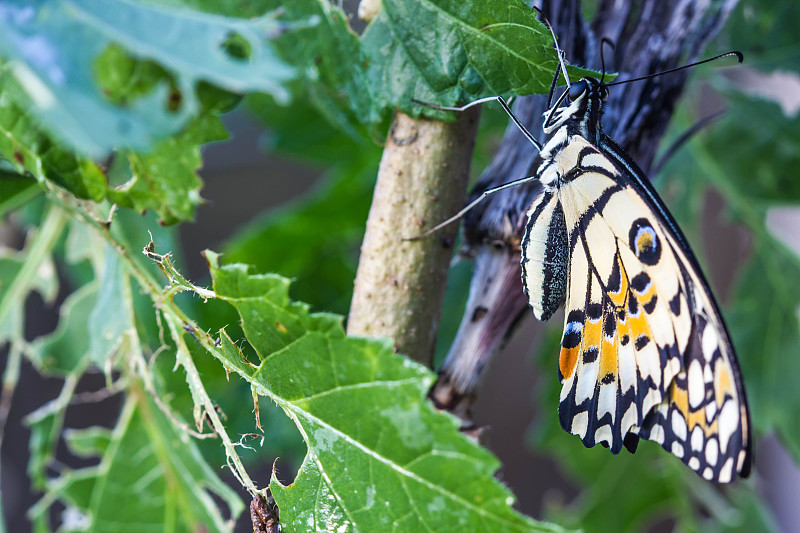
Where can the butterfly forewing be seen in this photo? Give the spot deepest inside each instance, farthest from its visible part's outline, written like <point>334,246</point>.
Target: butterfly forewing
<point>644,351</point>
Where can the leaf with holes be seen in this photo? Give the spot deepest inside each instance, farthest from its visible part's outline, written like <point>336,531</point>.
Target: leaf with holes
<point>50,49</point>
<point>379,455</point>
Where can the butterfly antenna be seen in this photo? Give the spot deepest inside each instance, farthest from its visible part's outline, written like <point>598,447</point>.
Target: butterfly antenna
<point>561,61</point>
<point>604,40</point>
<point>553,86</point>
<point>736,53</point>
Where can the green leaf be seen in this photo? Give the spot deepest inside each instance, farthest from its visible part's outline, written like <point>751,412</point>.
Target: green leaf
<point>50,49</point>
<point>757,146</point>
<point>145,455</point>
<point>379,455</point>
<point>329,58</point>
<point>166,179</point>
<point>15,191</point>
<point>109,322</point>
<point>66,350</point>
<point>26,271</point>
<point>28,149</point>
<point>496,47</point>
<point>765,33</point>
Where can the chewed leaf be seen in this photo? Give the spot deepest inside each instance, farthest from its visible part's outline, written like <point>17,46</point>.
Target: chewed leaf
<point>380,457</point>
<point>147,453</point>
<point>50,49</point>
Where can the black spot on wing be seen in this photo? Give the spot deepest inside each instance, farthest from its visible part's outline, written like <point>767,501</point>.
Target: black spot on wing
<point>640,282</point>
<point>572,338</point>
<point>642,341</point>
<point>650,306</point>
<point>633,306</point>
<point>631,442</point>
<point>615,279</point>
<point>675,304</point>
<point>594,311</point>
<point>609,325</point>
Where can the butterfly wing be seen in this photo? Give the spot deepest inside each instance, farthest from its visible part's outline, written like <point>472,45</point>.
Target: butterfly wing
<point>644,352</point>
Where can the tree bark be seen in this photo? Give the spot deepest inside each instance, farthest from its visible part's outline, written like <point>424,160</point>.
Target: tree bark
<point>400,284</point>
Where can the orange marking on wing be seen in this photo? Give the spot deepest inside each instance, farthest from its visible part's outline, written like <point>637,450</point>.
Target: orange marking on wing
<point>647,296</point>
<point>592,333</point>
<point>680,400</point>
<point>618,298</point>
<point>638,323</point>
<point>608,357</point>
<point>567,361</point>
<point>722,383</point>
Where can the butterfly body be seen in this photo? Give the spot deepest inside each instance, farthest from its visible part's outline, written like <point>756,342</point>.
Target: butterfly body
<point>645,353</point>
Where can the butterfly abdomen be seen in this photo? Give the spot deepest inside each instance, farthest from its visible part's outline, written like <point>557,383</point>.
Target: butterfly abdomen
<point>545,256</point>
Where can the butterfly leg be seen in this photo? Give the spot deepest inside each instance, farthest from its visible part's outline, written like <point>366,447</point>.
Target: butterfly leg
<point>479,199</point>
<point>503,104</point>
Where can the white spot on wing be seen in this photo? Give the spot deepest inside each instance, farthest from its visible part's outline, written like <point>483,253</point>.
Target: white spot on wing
<point>587,381</point>
<point>697,439</point>
<point>603,434</point>
<point>630,418</point>
<point>580,422</point>
<point>708,473</point>
<point>679,425</point>
<point>627,366</point>
<point>728,423</point>
<point>712,452</point>
<point>695,384</point>
<point>566,387</point>
<point>710,341</point>
<point>598,160</point>
<point>607,400</point>
<point>694,463</point>
<point>677,449</point>
<point>657,433</point>
<point>726,472</point>
<point>740,460</point>
<point>711,411</point>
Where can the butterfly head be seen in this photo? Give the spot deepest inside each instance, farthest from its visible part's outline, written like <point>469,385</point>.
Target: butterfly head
<point>585,100</point>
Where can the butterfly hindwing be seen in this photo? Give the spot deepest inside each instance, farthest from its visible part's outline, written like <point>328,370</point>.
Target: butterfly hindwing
<point>704,419</point>
<point>644,351</point>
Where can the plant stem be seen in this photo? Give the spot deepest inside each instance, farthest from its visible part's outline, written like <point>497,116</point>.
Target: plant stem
<point>422,180</point>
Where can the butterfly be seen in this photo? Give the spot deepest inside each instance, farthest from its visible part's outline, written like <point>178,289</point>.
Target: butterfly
<point>645,353</point>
